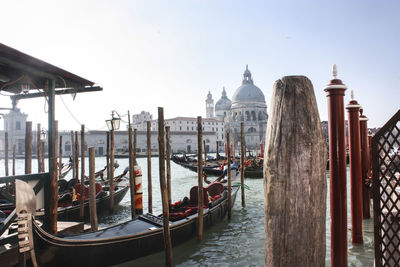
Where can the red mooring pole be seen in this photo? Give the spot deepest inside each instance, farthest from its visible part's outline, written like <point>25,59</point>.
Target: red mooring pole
<point>356,184</point>
<point>337,170</point>
<point>365,165</point>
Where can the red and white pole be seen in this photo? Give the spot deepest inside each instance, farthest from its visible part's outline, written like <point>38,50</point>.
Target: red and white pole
<point>337,170</point>
<point>365,165</point>
<point>353,109</point>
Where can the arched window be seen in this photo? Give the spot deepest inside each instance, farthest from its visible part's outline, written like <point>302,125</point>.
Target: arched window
<point>251,130</point>
<point>248,116</point>
<point>253,115</point>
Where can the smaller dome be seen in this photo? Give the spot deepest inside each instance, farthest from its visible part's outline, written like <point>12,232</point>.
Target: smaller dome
<point>223,103</point>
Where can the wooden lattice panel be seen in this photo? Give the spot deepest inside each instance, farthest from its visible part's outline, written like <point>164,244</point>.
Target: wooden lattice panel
<point>386,192</point>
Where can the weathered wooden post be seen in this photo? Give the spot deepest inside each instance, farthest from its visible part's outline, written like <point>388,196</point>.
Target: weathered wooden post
<point>294,177</point>
<point>356,184</point>
<point>149,184</point>
<point>108,155</point>
<point>38,146</point>
<point>337,170</point>
<point>55,152</point>
<point>138,179</point>
<point>73,156</point>
<point>131,169</point>
<point>42,149</point>
<point>229,177</point>
<point>92,190</point>
<point>6,153</point>
<point>14,152</point>
<point>111,177</point>
<point>163,188</point>
<point>242,152</point>
<point>168,159</point>
<point>82,204</point>
<point>216,149</point>
<point>365,165</point>
<point>60,155</point>
<point>76,156</point>
<point>28,147</point>
<point>205,152</point>
<point>50,221</point>
<point>200,178</point>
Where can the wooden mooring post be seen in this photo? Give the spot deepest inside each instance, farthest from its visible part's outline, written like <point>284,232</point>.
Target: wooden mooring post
<point>14,155</point>
<point>60,155</point>
<point>242,155</point>
<point>92,190</point>
<point>205,152</point>
<point>28,147</point>
<point>200,193</point>
<point>111,177</point>
<point>82,206</point>
<point>163,189</point>
<point>149,184</point>
<point>365,161</point>
<point>337,170</point>
<point>353,109</point>
<point>168,160</point>
<point>38,146</point>
<point>6,153</point>
<point>131,169</point>
<point>229,177</point>
<point>294,177</point>
<point>76,156</point>
<point>73,158</point>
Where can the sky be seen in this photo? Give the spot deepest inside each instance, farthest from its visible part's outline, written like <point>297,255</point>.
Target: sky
<point>148,54</point>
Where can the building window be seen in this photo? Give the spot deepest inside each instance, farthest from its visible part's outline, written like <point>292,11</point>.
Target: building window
<point>180,128</point>
<point>213,129</point>
<point>251,130</point>
<point>192,128</point>
<point>187,128</point>
<point>17,125</point>
<point>67,147</point>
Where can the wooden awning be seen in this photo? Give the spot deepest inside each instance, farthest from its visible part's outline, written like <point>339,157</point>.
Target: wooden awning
<point>17,68</point>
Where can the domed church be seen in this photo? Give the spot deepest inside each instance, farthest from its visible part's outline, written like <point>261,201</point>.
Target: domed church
<point>248,106</point>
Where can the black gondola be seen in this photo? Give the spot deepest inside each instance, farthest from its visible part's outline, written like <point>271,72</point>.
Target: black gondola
<point>72,213</point>
<point>214,170</point>
<point>125,241</point>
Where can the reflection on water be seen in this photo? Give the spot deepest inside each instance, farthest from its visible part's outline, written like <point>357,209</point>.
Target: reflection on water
<point>237,243</point>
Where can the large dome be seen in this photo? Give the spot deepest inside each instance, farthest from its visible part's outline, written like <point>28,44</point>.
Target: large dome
<point>223,103</point>
<point>248,92</point>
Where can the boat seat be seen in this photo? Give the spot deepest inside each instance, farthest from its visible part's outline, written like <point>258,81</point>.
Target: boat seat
<point>194,200</point>
<point>215,189</point>
<point>62,185</point>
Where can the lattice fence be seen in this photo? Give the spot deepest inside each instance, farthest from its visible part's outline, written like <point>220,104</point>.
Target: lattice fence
<point>386,192</point>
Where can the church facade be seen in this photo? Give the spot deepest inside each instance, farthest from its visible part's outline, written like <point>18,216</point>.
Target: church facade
<point>247,106</point>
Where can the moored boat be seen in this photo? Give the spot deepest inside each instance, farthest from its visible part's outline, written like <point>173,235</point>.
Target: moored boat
<point>132,239</point>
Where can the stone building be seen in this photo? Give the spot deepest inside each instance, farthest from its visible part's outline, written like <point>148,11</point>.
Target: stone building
<point>247,106</point>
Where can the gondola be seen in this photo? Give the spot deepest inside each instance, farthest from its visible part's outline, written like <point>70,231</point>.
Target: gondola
<point>213,170</point>
<point>72,213</point>
<point>132,239</point>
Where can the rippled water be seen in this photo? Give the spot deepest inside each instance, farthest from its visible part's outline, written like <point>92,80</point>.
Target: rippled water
<point>239,242</point>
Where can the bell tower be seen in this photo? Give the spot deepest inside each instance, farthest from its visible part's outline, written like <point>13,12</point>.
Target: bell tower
<point>209,106</point>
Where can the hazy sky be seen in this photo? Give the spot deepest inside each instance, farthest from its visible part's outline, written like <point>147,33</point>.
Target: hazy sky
<point>147,54</point>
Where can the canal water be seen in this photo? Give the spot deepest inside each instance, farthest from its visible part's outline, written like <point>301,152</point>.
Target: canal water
<point>239,242</point>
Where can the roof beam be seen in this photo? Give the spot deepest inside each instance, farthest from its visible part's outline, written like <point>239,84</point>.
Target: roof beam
<point>58,92</point>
